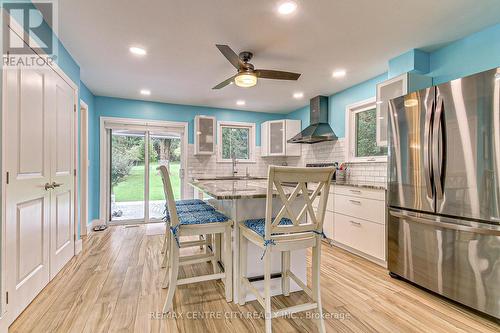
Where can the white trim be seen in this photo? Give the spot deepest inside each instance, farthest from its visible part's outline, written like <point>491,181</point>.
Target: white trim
<point>78,246</point>
<point>84,167</point>
<point>251,140</point>
<point>350,112</point>
<point>105,123</point>
<point>4,320</point>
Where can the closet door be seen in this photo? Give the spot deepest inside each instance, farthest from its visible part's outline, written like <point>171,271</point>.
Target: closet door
<point>62,175</point>
<point>27,161</point>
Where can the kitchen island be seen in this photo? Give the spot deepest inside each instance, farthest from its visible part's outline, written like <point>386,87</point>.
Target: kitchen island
<point>243,199</point>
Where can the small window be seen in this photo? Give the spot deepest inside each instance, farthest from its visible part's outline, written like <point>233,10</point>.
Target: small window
<point>362,133</point>
<point>236,140</point>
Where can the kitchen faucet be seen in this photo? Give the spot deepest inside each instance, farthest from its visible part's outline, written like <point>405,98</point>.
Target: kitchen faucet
<point>234,162</point>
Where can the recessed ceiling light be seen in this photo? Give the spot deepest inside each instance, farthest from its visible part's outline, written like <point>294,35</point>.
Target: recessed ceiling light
<point>145,92</point>
<point>338,73</point>
<point>240,102</point>
<point>137,51</point>
<point>298,95</point>
<point>287,7</point>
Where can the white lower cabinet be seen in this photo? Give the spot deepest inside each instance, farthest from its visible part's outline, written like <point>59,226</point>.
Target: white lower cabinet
<point>355,220</point>
<point>365,236</point>
<point>359,221</point>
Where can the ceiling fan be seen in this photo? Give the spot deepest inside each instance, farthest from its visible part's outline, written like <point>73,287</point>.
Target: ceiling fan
<point>247,75</point>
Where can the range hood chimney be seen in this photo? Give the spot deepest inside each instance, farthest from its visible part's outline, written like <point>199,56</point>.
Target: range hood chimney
<point>319,129</point>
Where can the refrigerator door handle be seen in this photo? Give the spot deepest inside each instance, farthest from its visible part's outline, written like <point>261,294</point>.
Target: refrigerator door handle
<point>449,223</point>
<point>427,150</point>
<point>439,151</point>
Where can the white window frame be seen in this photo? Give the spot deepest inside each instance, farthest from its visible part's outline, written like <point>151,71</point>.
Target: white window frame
<point>251,140</point>
<point>350,122</point>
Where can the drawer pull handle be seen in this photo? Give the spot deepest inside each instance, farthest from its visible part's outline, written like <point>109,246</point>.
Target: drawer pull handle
<point>355,191</point>
<point>355,202</point>
<point>356,223</point>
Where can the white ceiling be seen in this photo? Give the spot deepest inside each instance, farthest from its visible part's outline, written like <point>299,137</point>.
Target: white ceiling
<point>183,64</point>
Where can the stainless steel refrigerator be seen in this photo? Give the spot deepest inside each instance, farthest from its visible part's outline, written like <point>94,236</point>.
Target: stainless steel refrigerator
<point>444,190</point>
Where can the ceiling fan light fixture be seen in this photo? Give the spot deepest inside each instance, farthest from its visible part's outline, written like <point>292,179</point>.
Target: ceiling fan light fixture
<point>287,7</point>
<point>245,80</point>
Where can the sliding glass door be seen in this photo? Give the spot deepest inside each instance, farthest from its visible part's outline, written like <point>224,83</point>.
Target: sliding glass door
<point>136,188</point>
<point>165,149</point>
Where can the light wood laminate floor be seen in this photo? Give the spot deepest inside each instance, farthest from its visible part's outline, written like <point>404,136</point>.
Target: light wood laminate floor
<point>114,285</point>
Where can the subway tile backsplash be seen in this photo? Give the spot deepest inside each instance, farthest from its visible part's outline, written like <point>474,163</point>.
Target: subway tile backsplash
<point>203,166</point>
<point>327,152</point>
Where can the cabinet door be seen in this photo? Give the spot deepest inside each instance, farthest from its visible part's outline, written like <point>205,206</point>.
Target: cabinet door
<point>385,92</point>
<point>205,133</point>
<point>277,137</point>
<point>264,139</point>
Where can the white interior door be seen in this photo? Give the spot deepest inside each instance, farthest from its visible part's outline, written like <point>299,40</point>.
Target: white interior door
<point>27,199</point>
<point>62,175</point>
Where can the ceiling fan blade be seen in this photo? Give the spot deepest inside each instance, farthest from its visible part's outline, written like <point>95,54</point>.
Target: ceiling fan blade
<point>224,83</point>
<point>276,75</point>
<point>230,55</point>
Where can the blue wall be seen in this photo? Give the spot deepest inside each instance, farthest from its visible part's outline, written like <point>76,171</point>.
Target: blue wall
<point>127,108</point>
<point>338,102</point>
<point>472,54</point>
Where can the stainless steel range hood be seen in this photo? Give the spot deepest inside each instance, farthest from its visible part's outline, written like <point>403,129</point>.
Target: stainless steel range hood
<point>319,130</point>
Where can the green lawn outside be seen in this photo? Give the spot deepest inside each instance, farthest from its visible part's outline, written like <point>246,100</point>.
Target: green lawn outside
<point>132,187</point>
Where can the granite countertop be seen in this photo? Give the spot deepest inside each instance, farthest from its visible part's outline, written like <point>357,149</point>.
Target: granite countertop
<point>360,183</point>
<point>222,189</point>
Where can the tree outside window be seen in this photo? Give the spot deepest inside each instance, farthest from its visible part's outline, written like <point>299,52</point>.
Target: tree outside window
<point>235,142</point>
<point>366,134</point>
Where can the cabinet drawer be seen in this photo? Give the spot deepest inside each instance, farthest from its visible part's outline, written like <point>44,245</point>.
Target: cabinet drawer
<point>368,209</point>
<point>360,192</point>
<point>364,236</point>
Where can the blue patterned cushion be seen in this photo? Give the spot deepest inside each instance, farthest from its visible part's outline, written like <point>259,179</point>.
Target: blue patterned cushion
<point>202,217</point>
<point>258,225</point>
<point>190,202</point>
<point>189,208</point>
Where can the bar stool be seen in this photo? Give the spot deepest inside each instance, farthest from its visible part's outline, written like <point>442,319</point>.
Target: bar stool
<point>285,233</point>
<point>194,223</point>
<point>186,206</point>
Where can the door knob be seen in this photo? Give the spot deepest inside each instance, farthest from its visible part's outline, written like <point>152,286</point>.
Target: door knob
<point>54,184</point>
<point>48,186</point>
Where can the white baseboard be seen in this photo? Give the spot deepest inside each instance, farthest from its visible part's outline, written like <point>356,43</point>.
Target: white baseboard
<point>78,246</point>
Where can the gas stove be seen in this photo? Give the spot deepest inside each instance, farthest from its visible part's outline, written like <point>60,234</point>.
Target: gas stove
<point>322,165</point>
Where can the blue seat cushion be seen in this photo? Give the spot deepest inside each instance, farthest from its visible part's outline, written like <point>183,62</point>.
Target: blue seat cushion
<point>190,202</point>
<point>190,208</point>
<point>202,217</point>
<point>258,225</point>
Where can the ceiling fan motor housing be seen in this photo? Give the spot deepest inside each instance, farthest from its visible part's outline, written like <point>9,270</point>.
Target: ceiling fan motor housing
<point>245,56</point>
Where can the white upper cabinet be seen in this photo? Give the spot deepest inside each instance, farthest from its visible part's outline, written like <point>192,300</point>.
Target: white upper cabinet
<point>204,135</point>
<point>395,87</point>
<point>274,136</point>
